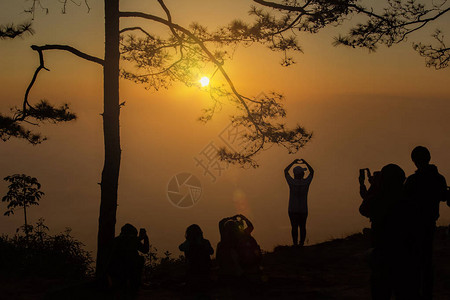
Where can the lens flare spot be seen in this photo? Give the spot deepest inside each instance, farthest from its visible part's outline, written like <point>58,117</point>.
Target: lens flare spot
<point>204,81</point>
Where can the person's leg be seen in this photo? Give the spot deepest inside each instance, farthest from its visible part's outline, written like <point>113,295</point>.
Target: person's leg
<point>427,263</point>
<point>294,228</point>
<point>302,223</point>
<point>381,275</point>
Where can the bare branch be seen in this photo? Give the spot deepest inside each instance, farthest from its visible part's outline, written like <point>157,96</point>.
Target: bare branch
<point>169,18</point>
<point>281,6</point>
<point>27,92</point>
<point>137,28</point>
<point>71,50</point>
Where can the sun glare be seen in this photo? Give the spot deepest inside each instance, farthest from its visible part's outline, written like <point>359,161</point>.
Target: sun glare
<point>204,81</point>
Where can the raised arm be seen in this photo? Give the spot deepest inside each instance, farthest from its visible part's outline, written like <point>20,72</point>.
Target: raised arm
<point>286,170</point>
<point>310,169</point>
<point>362,185</point>
<point>145,246</point>
<point>249,224</point>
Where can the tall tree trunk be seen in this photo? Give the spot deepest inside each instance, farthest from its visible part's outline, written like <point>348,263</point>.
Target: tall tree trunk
<point>110,174</point>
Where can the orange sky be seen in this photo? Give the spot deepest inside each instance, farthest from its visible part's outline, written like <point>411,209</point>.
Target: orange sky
<point>366,110</point>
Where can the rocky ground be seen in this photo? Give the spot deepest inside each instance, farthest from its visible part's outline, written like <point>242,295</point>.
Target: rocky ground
<point>337,269</point>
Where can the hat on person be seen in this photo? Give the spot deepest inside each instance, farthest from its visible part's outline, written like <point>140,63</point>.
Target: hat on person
<point>298,170</point>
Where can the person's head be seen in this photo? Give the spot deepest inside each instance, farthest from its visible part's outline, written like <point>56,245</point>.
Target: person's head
<point>193,232</point>
<point>299,172</point>
<point>420,156</point>
<point>392,177</point>
<point>230,230</point>
<point>128,230</point>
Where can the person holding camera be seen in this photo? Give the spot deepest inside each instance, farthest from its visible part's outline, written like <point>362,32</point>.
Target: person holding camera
<point>368,195</point>
<point>383,205</point>
<point>298,198</point>
<point>125,264</point>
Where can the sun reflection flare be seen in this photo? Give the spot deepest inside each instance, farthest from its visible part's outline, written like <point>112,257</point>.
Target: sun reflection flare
<point>204,81</point>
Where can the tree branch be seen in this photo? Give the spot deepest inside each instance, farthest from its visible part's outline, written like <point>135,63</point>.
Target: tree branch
<point>27,92</point>
<point>281,6</point>
<point>71,50</point>
<point>41,66</point>
<point>169,18</point>
<point>11,31</point>
<point>137,28</point>
<point>202,46</point>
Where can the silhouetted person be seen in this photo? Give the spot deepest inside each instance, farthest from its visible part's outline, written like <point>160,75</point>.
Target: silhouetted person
<point>382,203</point>
<point>249,252</point>
<point>424,190</point>
<point>125,264</point>
<point>227,254</point>
<point>368,194</point>
<point>298,198</point>
<point>197,251</point>
<point>238,253</point>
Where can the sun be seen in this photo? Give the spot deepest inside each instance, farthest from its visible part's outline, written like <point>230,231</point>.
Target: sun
<point>204,81</point>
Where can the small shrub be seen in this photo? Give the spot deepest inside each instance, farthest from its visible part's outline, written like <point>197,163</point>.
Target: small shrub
<point>163,270</point>
<point>44,255</point>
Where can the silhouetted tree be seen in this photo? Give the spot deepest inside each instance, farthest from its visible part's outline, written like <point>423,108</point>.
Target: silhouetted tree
<point>11,31</point>
<point>395,23</point>
<point>23,191</point>
<point>148,52</point>
<point>390,23</point>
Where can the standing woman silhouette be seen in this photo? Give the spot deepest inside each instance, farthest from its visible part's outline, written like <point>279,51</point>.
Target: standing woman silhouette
<point>298,198</point>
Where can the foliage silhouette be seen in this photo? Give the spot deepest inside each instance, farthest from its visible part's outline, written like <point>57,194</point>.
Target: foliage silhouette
<point>44,255</point>
<point>12,31</point>
<point>162,269</point>
<point>23,191</point>
<point>389,25</point>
